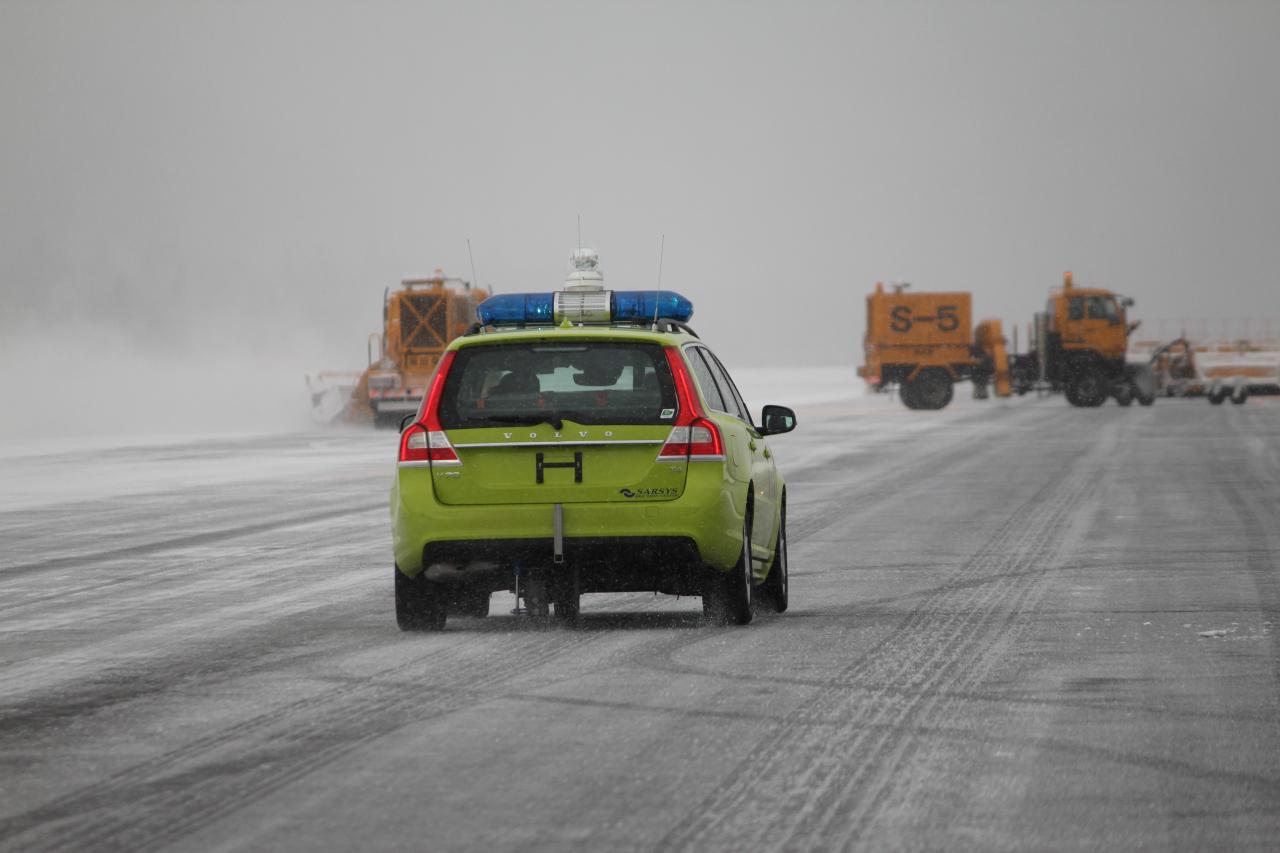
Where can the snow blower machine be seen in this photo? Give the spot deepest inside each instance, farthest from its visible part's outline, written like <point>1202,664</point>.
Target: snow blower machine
<point>418,322</point>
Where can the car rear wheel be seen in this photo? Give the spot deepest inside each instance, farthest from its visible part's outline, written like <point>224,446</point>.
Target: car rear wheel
<point>727,595</point>
<point>420,604</point>
<point>774,591</point>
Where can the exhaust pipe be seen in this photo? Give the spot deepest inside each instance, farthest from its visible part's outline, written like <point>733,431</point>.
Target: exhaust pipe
<point>445,572</point>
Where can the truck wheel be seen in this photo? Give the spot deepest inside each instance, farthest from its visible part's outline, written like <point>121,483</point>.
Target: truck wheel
<point>932,389</point>
<point>1216,397</point>
<point>1087,389</point>
<point>1239,395</point>
<point>1146,399</point>
<point>907,393</point>
<point>726,597</point>
<point>420,604</point>
<point>1124,394</point>
<point>774,591</point>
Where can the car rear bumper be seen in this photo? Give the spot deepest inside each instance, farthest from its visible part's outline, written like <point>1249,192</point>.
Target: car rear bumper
<point>670,564</point>
<point>703,526</point>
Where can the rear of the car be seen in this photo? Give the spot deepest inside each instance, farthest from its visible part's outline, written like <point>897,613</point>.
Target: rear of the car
<point>580,456</point>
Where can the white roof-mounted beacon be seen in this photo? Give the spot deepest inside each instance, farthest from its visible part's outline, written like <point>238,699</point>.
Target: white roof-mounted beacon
<point>584,301</point>
<point>586,274</point>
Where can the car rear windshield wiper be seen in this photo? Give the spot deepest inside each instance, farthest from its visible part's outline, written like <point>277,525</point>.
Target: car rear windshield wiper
<point>523,420</point>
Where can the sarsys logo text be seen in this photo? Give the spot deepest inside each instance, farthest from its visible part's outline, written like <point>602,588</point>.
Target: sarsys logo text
<point>649,493</point>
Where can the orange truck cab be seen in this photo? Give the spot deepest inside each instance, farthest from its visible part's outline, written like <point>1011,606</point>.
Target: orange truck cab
<point>1079,345</point>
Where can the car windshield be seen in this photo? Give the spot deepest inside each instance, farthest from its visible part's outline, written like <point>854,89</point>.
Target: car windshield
<point>595,382</point>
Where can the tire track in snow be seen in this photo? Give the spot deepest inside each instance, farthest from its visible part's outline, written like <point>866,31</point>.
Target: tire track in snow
<point>189,541</point>
<point>900,466</point>
<point>823,789</point>
<point>158,801</point>
<point>1249,496</point>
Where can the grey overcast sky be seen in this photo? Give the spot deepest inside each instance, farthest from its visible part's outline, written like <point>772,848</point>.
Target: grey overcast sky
<point>238,181</point>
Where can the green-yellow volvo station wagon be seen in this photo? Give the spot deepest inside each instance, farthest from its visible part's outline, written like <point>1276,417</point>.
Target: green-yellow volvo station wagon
<point>586,441</point>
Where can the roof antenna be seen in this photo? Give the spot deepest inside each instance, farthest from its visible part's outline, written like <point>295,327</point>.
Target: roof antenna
<point>579,230</point>
<point>662,246</point>
<point>472,258</point>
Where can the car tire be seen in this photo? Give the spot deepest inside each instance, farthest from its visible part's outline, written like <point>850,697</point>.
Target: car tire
<point>420,604</point>
<point>774,592</point>
<point>726,597</point>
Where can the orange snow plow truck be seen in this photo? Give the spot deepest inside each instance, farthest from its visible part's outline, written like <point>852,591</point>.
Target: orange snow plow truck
<point>418,322</point>
<point>924,343</point>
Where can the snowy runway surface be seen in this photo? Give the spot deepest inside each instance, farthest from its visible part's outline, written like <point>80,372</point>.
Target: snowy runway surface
<point>1014,625</point>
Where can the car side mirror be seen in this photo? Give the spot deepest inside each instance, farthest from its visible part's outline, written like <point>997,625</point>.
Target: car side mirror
<point>777,420</point>
<point>407,419</point>
<point>1127,302</point>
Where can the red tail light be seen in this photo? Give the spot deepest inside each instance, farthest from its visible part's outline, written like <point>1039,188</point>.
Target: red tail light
<point>700,442</point>
<point>694,436</point>
<point>425,442</point>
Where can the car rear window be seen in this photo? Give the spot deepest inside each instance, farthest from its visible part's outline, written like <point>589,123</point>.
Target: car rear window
<point>587,382</point>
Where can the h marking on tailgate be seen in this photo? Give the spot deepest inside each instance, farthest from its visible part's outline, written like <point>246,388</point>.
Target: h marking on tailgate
<point>576,465</point>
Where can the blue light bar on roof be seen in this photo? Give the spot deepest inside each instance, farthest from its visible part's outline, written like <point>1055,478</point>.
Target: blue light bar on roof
<point>516,309</point>
<point>537,309</point>
<point>640,305</point>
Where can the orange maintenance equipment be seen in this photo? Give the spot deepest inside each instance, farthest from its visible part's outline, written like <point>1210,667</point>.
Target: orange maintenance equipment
<point>1078,346</point>
<point>418,322</point>
<point>988,339</point>
<point>925,342</point>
